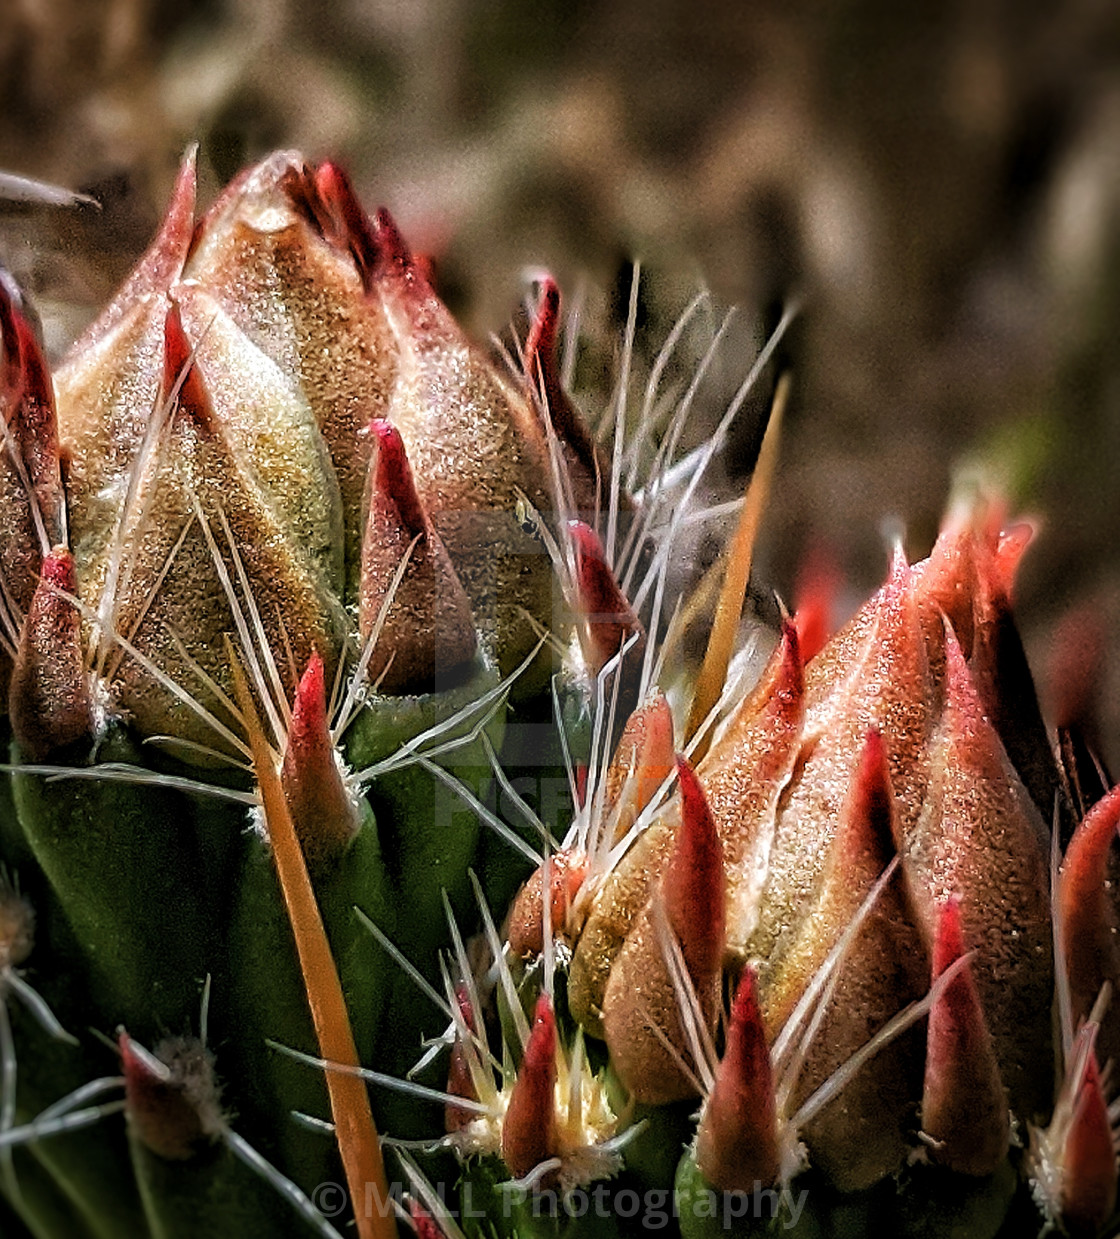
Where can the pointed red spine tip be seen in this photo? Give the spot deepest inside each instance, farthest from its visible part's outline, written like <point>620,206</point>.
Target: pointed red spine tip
<point>737,1138</point>
<point>529,1127</point>
<point>394,256</point>
<point>818,583</point>
<point>50,702</point>
<point>1084,907</point>
<point>871,814</point>
<point>1089,1179</point>
<point>541,370</point>
<point>1010,547</point>
<point>964,1106</point>
<point>566,873</point>
<point>609,616</point>
<point>693,882</point>
<point>159,1112</point>
<point>393,475</point>
<point>180,366</point>
<point>460,1082</point>
<point>323,813</point>
<point>348,226</point>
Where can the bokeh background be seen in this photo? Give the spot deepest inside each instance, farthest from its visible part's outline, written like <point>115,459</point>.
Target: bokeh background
<point>938,184</point>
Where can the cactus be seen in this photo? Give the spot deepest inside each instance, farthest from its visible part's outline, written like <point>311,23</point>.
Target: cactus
<point>308,608</point>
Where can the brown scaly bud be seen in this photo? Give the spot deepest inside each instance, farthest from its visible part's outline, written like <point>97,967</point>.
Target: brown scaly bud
<point>737,1138</point>
<point>323,810</point>
<point>51,702</point>
<point>428,636</point>
<point>642,1007</point>
<point>171,1096</point>
<point>287,252</point>
<point>566,873</point>
<point>964,1107</point>
<point>529,1127</point>
<point>476,446</point>
<point>1086,913</point>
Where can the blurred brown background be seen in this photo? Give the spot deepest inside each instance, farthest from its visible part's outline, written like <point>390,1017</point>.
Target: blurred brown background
<point>938,183</point>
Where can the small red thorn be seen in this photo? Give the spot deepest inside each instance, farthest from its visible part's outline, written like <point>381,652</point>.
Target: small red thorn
<point>737,1138</point>
<point>818,583</point>
<point>964,1106</point>
<point>529,1128</point>
<point>393,475</point>
<point>179,361</point>
<point>1088,1195</point>
<point>610,619</point>
<point>323,813</point>
<point>693,882</point>
<point>1084,907</point>
<point>460,1083</point>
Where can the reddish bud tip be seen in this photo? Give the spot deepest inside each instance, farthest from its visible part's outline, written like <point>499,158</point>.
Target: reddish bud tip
<point>529,1128</point>
<point>818,583</point>
<point>566,874</point>
<point>1088,1180</point>
<point>1085,908</point>
<point>171,1097</point>
<point>460,1082</point>
<point>608,617</point>
<point>737,1138</point>
<point>50,701</point>
<point>964,1106</point>
<point>643,760</point>
<point>180,371</point>
<point>428,634</point>
<point>392,476</point>
<point>393,252</point>
<point>693,883</point>
<point>322,810</point>
<point>344,220</point>
<point>869,821</point>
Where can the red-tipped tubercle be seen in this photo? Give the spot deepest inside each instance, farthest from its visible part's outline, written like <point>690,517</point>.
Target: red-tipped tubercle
<point>460,1082</point>
<point>529,1128</point>
<point>737,1138</point>
<point>322,810</point>
<point>50,701</point>
<point>693,884</point>
<point>180,367</point>
<point>1088,1195</point>
<point>964,1107</point>
<point>393,475</point>
<point>1084,906</point>
<point>609,618</point>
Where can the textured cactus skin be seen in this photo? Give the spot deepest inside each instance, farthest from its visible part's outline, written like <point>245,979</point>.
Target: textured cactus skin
<point>304,451</point>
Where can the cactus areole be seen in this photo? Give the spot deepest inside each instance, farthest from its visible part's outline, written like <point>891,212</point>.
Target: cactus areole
<point>377,854</point>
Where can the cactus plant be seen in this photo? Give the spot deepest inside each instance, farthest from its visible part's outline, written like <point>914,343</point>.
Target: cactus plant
<point>309,606</point>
